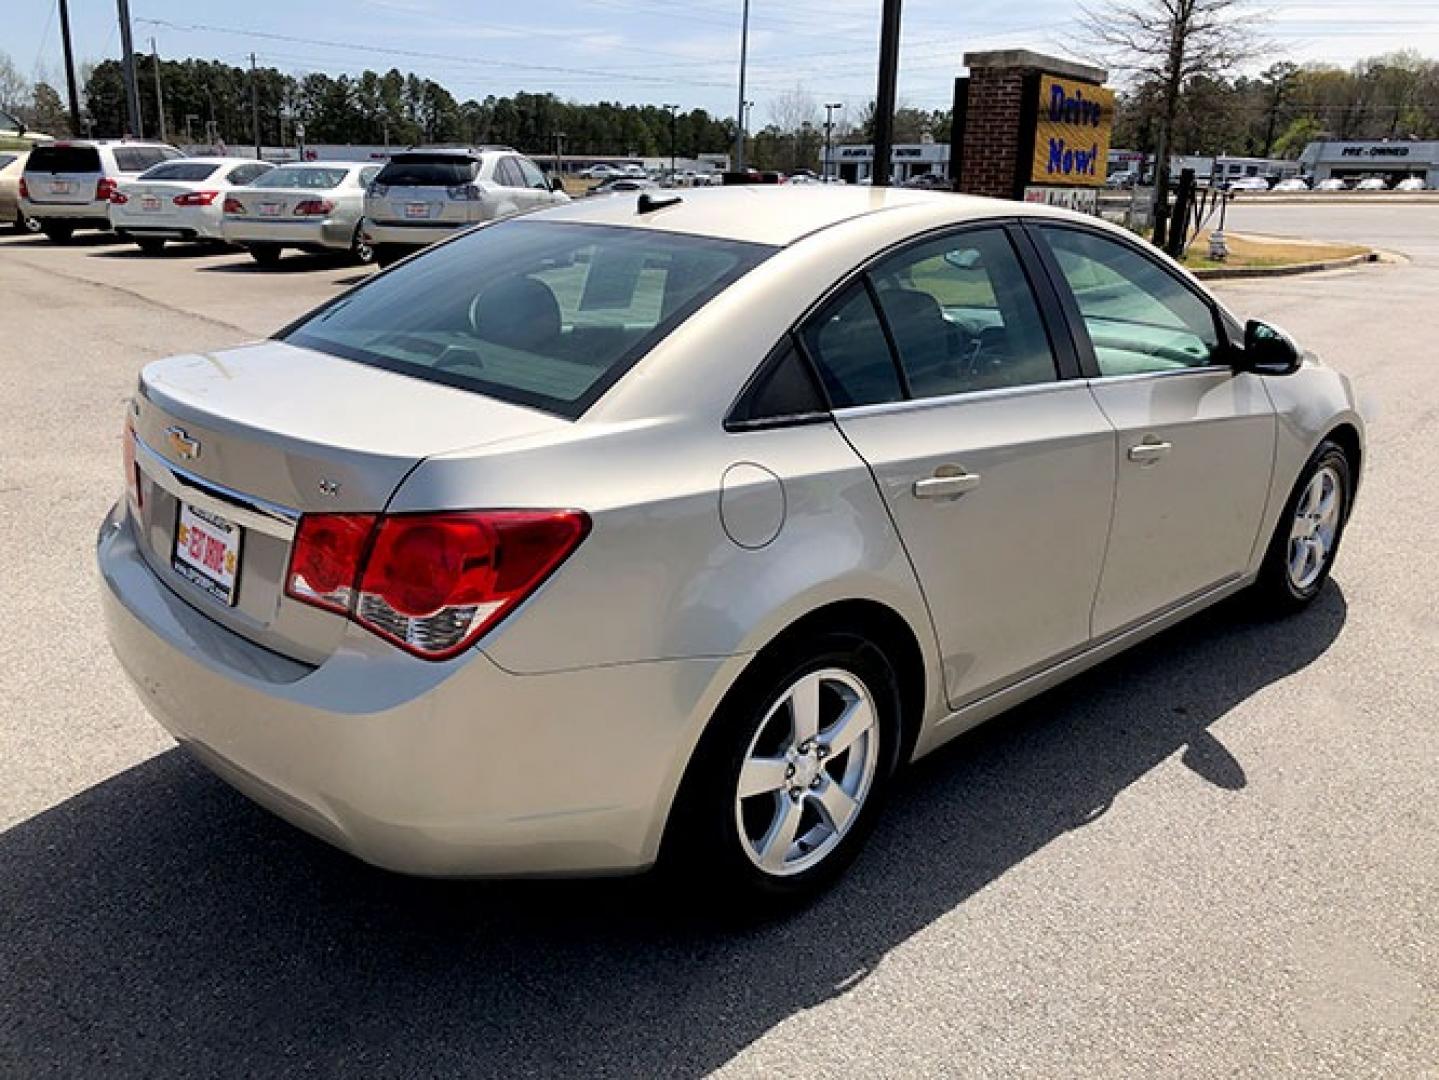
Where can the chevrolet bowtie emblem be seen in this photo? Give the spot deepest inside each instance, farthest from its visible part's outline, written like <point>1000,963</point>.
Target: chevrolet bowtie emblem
<point>181,445</point>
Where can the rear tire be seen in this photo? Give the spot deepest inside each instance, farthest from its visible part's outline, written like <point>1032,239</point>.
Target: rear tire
<point>266,254</point>
<point>1306,538</point>
<point>26,225</point>
<point>150,245</point>
<point>360,251</point>
<point>773,809</point>
<point>59,232</point>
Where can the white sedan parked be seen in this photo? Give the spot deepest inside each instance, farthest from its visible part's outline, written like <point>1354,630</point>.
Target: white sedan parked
<point>180,200</point>
<point>316,206</point>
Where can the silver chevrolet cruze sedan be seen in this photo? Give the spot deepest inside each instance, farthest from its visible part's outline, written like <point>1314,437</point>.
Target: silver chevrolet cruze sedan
<point>668,528</point>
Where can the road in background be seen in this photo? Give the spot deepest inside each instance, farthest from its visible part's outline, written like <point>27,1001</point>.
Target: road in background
<point>1213,856</point>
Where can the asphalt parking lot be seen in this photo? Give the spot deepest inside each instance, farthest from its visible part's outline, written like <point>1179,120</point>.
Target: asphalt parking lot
<point>1213,856</point>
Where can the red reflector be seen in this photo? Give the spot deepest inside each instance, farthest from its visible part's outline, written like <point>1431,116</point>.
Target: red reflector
<point>119,198</point>
<point>313,208</point>
<point>24,189</point>
<point>104,189</point>
<point>196,198</point>
<point>325,558</point>
<point>431,583</point>
<point>233,206</point>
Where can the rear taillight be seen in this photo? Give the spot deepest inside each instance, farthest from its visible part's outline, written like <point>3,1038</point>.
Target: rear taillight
<point>378,191</point>
<point>132,471</point>
<point>118,198</point>
<point>24,189</point>
<point>234,206</point>
<point>104,189</point>
<point>432,584</point>
<point>464,192</point>
<point>313,208</point>
<point>196,198</point>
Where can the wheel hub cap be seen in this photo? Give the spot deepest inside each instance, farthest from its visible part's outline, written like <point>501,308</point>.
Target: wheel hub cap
<point>1315,528</point>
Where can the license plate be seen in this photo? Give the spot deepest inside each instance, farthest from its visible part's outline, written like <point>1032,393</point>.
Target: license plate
<point>417,209</point>
<point>270,209</point>
<point>207,552</point>
<point>150,202</point>
<point>60,187</point>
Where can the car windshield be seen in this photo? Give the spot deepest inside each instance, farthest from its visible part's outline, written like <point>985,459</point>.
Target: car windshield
<point>308,177</point>
<point>181,170</point>
<point>546,314</point>
<point>431,170</point>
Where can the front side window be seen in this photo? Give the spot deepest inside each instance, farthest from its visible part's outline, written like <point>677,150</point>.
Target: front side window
<point>546,314</point>
<point>1139,317</point>
<point>507,173</point>
<point>962,315</point>
<point>848,346</point>
<point>309,178</point>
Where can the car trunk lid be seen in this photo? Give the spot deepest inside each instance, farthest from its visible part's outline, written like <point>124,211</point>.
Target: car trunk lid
<point>232,447</point>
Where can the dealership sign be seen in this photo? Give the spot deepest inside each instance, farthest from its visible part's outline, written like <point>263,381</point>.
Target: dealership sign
<point>1071,137</point>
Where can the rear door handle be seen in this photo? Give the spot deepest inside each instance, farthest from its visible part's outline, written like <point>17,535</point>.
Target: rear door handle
<point>1149,451</point>
<point>939,487</point>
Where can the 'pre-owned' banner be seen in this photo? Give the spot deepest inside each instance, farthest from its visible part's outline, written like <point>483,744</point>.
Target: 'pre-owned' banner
<point>1071,140</point>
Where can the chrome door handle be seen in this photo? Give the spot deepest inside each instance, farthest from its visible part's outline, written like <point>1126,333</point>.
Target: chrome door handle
<point>1149,451</point>
<point>939,487</point>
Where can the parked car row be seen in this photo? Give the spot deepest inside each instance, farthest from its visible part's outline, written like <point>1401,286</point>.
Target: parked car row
<point>149,193</point>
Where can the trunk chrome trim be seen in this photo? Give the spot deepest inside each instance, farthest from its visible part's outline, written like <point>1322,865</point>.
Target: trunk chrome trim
<point>244,510</point>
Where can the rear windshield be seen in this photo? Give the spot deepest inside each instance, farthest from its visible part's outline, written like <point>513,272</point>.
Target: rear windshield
<point>547,314</point>
<point>434,170</point>
<point>317,179</point>
<point>136,159</point>
<point>181,170</point>
<point>64,159</point>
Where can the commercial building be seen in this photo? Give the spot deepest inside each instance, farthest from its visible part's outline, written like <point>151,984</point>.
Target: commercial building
<point>1392,160</point>
<point>856,163</point>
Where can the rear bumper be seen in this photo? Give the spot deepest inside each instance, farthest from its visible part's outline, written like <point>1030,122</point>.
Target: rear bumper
<point>181,223</point>
<point>452,769</point>
<point>406,234</point>
<point>290,232</point>
<point>87,214</point>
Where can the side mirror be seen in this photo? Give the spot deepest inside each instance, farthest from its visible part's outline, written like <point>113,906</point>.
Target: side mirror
<point>1268,350</point>
<point>556,184</point>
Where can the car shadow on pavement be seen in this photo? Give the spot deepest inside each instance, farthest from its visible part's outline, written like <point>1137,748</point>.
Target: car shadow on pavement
<point>292,262</point>
<point>170,251</point>
<point>79,240</point>
<point>160,925</point>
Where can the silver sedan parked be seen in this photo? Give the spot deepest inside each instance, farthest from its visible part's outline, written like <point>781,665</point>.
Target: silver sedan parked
<point>669,528</point>
<point>315,206</point>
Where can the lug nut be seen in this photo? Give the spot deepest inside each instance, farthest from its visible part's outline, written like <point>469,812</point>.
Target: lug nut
<point>814,783</point>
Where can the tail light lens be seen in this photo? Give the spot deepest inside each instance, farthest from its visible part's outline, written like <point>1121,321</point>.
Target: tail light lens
<point>196,198</point>
<point>233,206</point>
<point>432,584</point>
<point>313,208</point>
<point>132,471</point>
<point>379,191</point>
<point>24,189</point>
<point>104,189</point>
<point>464,192</point>
<point>118,198</point>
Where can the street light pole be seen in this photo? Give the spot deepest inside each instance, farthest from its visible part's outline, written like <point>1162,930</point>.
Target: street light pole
<point>743,56</point>
<point>884,98</point>
<point>829,111</point>
<point>674,111</point>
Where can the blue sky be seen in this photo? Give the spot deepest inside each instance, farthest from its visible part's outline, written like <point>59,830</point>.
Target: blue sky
<point>654,50</point>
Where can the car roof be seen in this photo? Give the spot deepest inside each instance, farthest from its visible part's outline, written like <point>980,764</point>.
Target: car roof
<point>198,160</point>
<point>779,214</point>
<point>109,143</point>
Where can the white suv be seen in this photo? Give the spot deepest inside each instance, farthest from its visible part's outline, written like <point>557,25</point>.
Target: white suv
<point>425,195</point>
<point>67,185</point>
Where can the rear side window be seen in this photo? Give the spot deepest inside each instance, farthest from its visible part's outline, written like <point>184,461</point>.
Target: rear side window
<point>507,173</point>
<point>310,178</point>
<point>848,346</point>
<point>181,170</point>
<point>433,170</point>
<point>136,159</point>
<point>64,159</point>
<point>540,314</point>
<point>245,174</point>
<point>533,175</point>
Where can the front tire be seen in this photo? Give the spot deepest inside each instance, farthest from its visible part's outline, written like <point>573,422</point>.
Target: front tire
<point>361,251</point>
<point>150,245</point>
<point>59,232</point>
<point>789,779</point>
<point>1306,538</point>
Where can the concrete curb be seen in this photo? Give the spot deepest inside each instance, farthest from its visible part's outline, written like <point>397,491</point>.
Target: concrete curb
<point>1223,272</point>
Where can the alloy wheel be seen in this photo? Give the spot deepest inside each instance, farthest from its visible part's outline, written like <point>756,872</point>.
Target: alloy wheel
<point>1315,528</point>
<point>807,772</point>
